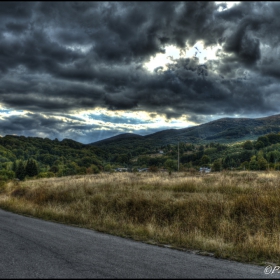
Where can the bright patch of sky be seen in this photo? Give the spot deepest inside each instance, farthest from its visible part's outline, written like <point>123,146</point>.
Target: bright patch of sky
<point>198,50</point>
<point>228,5</point>
<point>171,52</point>
<point>162,59</point>
<point>82,48</point>
<point>104,121</point>
<point>129,120</point>
<point>4,113</point>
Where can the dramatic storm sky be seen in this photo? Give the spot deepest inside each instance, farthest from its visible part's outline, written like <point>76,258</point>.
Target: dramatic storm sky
<point>91,70</point>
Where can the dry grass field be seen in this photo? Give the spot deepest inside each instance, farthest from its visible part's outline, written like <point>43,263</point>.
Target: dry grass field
<point>233,215</point>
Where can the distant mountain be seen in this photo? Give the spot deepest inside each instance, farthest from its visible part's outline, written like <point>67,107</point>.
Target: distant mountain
<point>120,137</point>
<point>225,130</point>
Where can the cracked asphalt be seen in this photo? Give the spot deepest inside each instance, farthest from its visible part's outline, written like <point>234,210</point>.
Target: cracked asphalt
<point>33,248</point>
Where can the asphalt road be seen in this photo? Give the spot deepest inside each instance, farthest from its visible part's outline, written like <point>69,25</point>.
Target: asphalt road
<point>33,248</point>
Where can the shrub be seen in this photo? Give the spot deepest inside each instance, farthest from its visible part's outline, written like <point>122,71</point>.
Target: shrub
<point>7,174</point>
<point>46,175</point>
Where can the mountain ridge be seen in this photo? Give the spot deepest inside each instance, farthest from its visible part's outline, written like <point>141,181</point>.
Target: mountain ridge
<point>224,130</point>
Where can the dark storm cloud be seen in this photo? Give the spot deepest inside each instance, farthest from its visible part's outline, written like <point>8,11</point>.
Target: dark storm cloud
<point>15,27</point>
<point>38,124</point>
<point>57,57</point>
<point>30,121</point>
<point>16,10</point>
<point>243,43</point>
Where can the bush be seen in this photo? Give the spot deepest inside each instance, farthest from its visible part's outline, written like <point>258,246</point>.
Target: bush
<point>153,168</point>
<point>108,167</point>
<point>170,164</point>
<point>216,165</point>
<point>93,169</point>
<point>46,175</point>
<point>7,174</point>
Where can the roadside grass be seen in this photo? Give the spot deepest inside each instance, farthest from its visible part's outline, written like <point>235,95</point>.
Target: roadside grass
<point>234,215</point>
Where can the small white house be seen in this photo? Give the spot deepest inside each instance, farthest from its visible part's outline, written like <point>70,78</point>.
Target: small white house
<point>121,169</point>
<point>204,169</point>
<point>143,169</point>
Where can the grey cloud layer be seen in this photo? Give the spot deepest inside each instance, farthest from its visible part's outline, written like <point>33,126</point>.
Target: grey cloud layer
<point>63,56</point>
<point>40,125</point>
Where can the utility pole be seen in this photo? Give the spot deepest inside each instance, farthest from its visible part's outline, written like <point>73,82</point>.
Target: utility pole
<point>178,156</point>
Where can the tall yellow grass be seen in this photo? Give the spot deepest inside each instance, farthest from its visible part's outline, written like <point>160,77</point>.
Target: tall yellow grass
<point>232,215</point>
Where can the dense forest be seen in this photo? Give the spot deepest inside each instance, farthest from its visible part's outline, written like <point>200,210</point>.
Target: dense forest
<point>22,157</point>
<point>33,157</point>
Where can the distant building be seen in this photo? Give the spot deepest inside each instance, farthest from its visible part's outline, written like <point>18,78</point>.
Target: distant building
<point>121,169</point>
<point>204,169</point>
<point>161,152</point>
<point>143,169</point>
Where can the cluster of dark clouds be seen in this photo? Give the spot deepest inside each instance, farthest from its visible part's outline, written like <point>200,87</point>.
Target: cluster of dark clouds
<point>63,57</point>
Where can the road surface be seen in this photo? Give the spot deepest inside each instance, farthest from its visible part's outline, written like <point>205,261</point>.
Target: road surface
<point>33,248</point>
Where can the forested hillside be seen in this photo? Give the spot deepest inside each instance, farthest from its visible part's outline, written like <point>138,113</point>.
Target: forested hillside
<point>33,157</point>
<point>47,157</point>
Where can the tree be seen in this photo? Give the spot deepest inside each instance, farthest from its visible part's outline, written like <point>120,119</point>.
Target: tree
<point>31,168</point>
<point>170,164</point>
<point>226,162</point>
<point>20,172</point>
<point>265,140</point>
<point>245,155</point>
<point>201,148</point>
<point>217,165</point>
<point>244,165</point>
<point>248,145</point>
<point>155,161</point>
<point>262,163</point>
<point>108,167</point>
<point>205,160</point>
<point>253,164</point>
<point>95,169</point>
<point>143,160</point>
<point>273,138</point>
<point>259,145</point>
<point>14,166</point>
<point>7,174</point>
<point>54,169</point>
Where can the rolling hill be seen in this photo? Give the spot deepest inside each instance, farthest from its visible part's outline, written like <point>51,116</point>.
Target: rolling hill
<point>225,130</point>
<point>119,138</point>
